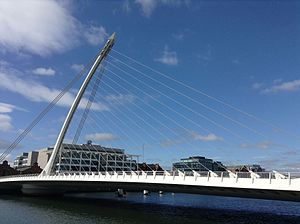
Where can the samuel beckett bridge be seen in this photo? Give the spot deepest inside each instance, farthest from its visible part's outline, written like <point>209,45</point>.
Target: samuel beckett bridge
<point>160,118</point>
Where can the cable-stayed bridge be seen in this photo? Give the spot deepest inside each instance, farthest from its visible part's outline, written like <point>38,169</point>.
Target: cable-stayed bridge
<point>164,115</point>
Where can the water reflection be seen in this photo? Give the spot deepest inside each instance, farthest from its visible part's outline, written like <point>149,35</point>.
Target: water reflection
<point>137,208</point>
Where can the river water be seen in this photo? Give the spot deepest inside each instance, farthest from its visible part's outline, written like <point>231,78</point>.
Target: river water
<point>106,208</point>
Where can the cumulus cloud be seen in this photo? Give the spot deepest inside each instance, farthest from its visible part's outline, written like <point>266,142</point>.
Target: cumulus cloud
<point>44,71</point>
<point>148,6</point>
<point>178,36</point>
<point>206,138</point>
<point>43,28</point>
<point>98,137</point>
<point>174,141</point>
<point>5,123</point>
<point>4,63</point>
<point>8,108</point>
<point>259,145</point>
<point>283,164</point>
<point>289,86</point>
<point>120,99</point>
<point>126,6</point>
<point>168,57</point>
<point>5,119</point>
<point>11,80</point>
<point>257,85</point>
<point>95,35</point>
<point>77,67</point>
<point>277,81</point>
<point>187,136</point>
<point>37,27</point>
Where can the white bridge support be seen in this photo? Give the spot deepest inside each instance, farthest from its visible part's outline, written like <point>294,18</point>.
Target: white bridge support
<point>109,44</point>
<point>260,185</point>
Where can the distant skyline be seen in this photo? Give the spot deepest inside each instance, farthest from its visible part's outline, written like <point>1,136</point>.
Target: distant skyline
<point>245,53</point>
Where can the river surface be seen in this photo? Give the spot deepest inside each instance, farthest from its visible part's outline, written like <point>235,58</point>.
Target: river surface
<point>106,208</point>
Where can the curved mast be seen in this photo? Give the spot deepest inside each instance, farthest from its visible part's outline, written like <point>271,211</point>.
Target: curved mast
<point>104,52</point>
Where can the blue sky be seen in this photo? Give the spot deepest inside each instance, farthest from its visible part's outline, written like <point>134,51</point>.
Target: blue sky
<point>245,53</point>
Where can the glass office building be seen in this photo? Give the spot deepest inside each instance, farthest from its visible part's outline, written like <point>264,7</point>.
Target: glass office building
<point>90,157</point>
<point>198,163</point>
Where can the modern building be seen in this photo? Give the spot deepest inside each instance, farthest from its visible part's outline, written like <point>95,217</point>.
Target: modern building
<point>198,163</point>
<point>246,168</point>
<point>149,167</point>
<point>27,159</point>
<point>90,157</point>
<point>44,156</point>
<point>85,157</point>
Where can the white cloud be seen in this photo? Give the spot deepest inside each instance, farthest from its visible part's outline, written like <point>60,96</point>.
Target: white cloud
<point>3,63</point>
<point>5,123</point>
<point>283,87</point>
<point>43,28</point>
<point>95,35</point>
<point>257,85</point>
<point>259,145</point>
<point>126,6</point>
<point>37,27</point>
<point>11,79</point>
<point>148,6</point>
<point>120,99</point>
<point>77,67</point>
<point>174,141</point>
<point>277,81</point>
<point>178,36</point>
<point>168,57</point>
<point>98,137</point>
<point>8,108</point>
<point>206,138</point>
<point>44,71</point>
<point>187,136</point>
<point>5,119</point>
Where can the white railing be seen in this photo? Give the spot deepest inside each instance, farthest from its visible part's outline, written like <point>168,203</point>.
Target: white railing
<point>20,175</point>
<point>216,174</point>
<point>260,175</point>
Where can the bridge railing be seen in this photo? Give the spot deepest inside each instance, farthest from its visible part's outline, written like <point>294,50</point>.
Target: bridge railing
<point>295,174</point>
<point>221,174</point>
<point>20,175</point>
<point>217,174</point>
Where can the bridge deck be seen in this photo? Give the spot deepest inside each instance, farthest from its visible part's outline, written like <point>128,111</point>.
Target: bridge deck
<point>258,185</point>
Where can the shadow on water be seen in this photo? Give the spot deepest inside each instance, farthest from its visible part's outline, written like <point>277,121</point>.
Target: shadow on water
<point>136,208</point>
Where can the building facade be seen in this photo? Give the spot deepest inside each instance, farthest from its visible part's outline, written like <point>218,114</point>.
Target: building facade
<point>26,159</point>
<point>89,157</point>
<point>198,163</point>
<point>44,156</point>
<point>85,157</point>
<point>246,168</point>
